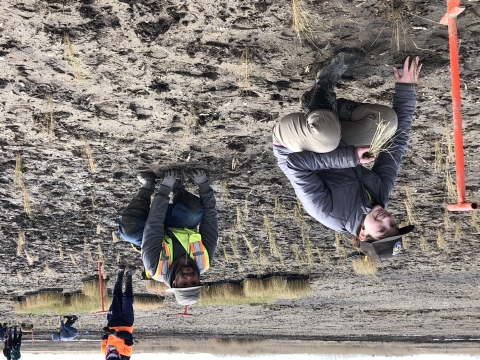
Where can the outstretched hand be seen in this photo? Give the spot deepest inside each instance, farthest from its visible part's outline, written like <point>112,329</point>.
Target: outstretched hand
<point>410,71</point>
<point>364,155</point>
<point>198,176</point>
<point>170,177</point>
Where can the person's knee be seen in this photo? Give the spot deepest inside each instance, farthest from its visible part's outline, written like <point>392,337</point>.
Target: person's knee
<point>389,117</point>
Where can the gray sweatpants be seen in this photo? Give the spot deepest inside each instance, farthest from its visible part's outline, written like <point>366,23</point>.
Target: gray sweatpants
<point>322,131</point>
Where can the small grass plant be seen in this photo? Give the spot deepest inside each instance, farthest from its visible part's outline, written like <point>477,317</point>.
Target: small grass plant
<point>364,265</point>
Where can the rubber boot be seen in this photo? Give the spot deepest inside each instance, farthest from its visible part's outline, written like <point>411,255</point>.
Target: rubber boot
<point>129,283</point>
<point>117,289</point>
<point>324,96</point>
<point>345,108</point>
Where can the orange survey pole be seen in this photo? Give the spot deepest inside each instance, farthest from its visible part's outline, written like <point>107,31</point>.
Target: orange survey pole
<point>450,19</point>
<point>100,280</point>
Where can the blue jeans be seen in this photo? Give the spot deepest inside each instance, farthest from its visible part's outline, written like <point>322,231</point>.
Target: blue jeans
<point>185,212</point>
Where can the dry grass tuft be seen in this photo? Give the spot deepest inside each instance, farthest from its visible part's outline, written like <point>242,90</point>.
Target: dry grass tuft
<point>243,72</point>
<point>60,253</point>
<point>26,202</point>
<point>446,218</point>
<point>251,250</point>
<point>19,275</point>
<point>273,288</point>
<point>441,241</point>
<point>48,119</point>
<point>147,302</point>
<point>279,210</point>
<point>20,242</point>
<point>91,288</point>
<point>99,229</point>
<point>451,188</point>
<point>438,158</point>
<point>364,266</point>
<point>191,124</point>
<point>458,231</point>
<point>381,141</point>
<point>30,259</point>
<point>72,259</point>
<point>298,215</point>
<point>70,58</point>
<point>18,175</point>
<point>115,237</point>
<point>423,244</point>
<point>156,287</point>
<point>239,218</point>
<point>222,294</point>
<point>303,21</point>
<point>89,156</point>
<point>47,269</point>
<point>271,239</point>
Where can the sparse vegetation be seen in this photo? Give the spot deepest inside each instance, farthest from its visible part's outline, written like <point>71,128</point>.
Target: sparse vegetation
<point>303,21</point>
<point>70,58</point>
<point>147,302</point>
<point>89,156</point>
<point>382,137</point>
<point>48,119</point>
<point>441,241</point>
<point>364,266</point>
<point>20,242</point>
<point>156,287</point>
<point>423,244</point>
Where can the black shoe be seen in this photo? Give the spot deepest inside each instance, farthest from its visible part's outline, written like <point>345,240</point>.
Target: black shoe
<point>334,67</point>
<point>323,96</point>
<point>345,108</point>
<point>147,180</point>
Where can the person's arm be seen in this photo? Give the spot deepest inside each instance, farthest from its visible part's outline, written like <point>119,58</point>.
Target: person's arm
<point>387,164</point>
<point>209,224</point>
<point>340,158</point>
<point>154,226</point>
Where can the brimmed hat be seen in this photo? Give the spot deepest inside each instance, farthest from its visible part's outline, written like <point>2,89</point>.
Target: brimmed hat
<point>186,296</point>
<point>387,248</point>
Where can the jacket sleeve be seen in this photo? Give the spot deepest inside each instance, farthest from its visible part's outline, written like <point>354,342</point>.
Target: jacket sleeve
<point>209,225</point>
<point>154,230</point>
<point>309,187</point>
<point>340,158</point>
<point>388,163</point>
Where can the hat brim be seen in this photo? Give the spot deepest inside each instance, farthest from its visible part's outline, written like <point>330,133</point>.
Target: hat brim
<point>172,290</point>
<point>403,231</point>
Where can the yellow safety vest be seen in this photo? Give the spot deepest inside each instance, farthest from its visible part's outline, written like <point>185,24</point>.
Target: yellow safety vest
<point>191,241</point>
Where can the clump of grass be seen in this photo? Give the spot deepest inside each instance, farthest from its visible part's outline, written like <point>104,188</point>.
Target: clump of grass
<point>451,188</point>
<point>446,218</point>
<point>147,302</point>
<point>438,157</point>
<point>30,259</point>
<point>251,249</point>
<point>271,239</point>
<point>423,244</point>
<point>222,294</point>
<point>303,21</point>
<point>72,259</point>
<point>279,210</point>
<point>191,123</point>
<point>99,229</point>
<point>48,119</point>
<point>381,141</point>
<point>298,213</point>
<point>70,58</point>
<point>47,269</point>
<point>26,202</point>
<point>20,242</point>
<point>308,250</point>
<point>458,231</point>
<point>91,288</point>
<point>18,175</point>
<point>115,237</point>
<point>364,266</point>
<point>322,257</point>
<point>89,155</point>
<point>60,253</point>
<point>156,287</point>
<point>441,241</point>
<point>19,275</point>
<point>243,71</point>
<point>275,287</point>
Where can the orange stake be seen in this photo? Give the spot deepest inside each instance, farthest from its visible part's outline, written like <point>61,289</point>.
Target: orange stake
<point>100,279</point>
<point>450,18</point>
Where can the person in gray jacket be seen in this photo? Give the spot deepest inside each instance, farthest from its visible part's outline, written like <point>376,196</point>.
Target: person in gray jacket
<point>67,331</point>
<point>173,251</point>
<point>322,157</point>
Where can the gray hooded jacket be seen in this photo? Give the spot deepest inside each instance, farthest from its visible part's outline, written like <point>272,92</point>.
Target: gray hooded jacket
<point>333,188</point>
<point>154,231</point>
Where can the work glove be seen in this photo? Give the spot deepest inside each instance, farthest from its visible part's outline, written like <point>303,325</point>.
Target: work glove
<point>198,176</point>
<point>170,177</point>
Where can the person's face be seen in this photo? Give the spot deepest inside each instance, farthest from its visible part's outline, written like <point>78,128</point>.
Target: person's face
<point>185,277</point>
<point>379,224</point>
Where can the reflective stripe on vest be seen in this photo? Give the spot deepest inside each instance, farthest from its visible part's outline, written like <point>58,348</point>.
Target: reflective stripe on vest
<point>191,241</point>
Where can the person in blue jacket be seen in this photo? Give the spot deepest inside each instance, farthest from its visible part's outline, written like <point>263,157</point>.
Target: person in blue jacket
<point>322,150</point>
<point>67,332</point>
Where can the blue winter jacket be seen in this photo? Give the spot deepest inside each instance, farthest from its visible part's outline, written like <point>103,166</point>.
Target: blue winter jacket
<point>333,188</point>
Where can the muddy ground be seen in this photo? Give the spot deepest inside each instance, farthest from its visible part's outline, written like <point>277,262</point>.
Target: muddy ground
<point>156,84</point>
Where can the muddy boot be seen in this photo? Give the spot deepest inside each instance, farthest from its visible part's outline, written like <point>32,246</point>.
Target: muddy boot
<point>324,96</point>
<point>345,108</point>
<point>129,283</point>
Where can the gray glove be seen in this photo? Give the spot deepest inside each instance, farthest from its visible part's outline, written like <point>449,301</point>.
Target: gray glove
<point>198,176</point>
<point>170,177</point>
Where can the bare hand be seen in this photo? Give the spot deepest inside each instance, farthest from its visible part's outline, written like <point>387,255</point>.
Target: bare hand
<point>363,154</point>
<point>410,73</point>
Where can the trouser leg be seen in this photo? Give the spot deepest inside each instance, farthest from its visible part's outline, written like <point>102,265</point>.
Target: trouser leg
<point>186,211</point>
<point>365,118</point>
<point>131,222</point>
